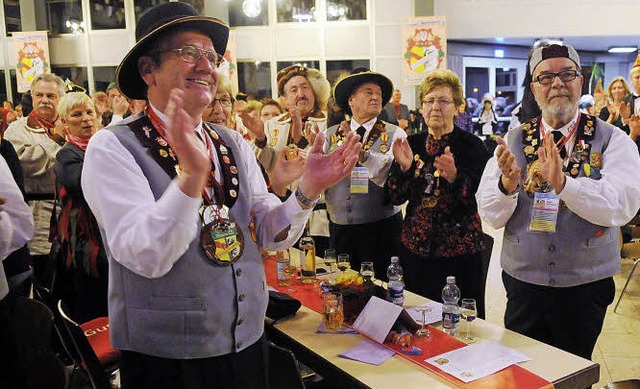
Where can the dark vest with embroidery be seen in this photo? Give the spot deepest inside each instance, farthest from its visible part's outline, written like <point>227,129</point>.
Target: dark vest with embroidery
<point>197,309</point>
<point>579,252</point>
<point>347,208</point>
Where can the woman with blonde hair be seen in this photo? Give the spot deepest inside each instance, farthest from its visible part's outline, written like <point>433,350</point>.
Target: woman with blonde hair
<point>82,269</point>
<point>617,90</point>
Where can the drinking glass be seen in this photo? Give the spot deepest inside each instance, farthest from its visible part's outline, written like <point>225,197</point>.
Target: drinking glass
<point>291,270</point>
<point>423,331</point>
<point>329,260</point>
<point>366,271</point>
<point>468,313</point>
<point>343,262</point>
<point>332,311</point>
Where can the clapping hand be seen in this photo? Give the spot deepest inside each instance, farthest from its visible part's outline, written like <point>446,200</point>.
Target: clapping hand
<point>192,154</point>
<point>285,171</point>
<point>624,110</point>
<point>508,166</point>
<point>296,124</point>
<point>253,124</point>
<point>402,153</point>
<point>551,164</point>
<point>446,165</point>
<point>322,170</point>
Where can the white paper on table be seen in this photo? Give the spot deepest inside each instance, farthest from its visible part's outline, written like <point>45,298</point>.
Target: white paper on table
<point>368,352</point>
<point>377,318</point>
<point>477,360</point>
<point>432,316</point>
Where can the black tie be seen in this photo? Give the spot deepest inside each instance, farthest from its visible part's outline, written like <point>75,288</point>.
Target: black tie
<point>557,139</point>
<point>361,131</point>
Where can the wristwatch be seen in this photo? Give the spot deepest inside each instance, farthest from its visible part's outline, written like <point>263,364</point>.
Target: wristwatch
<point>304,200</point>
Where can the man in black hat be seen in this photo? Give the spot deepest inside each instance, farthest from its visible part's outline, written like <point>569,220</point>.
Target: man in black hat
<point>183,210</point>
<point>363,222</point>
<point>560,186</point>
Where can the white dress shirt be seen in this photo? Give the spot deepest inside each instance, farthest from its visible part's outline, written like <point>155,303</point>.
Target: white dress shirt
<point>149,236</point>
<point>378,163</point>
<point>609,201</point>
<point>16,220</point>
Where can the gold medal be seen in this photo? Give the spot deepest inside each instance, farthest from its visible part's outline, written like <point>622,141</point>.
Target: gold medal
<point>222,241</point>
<point>233,193</point>
<point>226,159</point>
<point>233,169</point>
<point>429,202</point>
<point>161,141</point>
<point>529,150</point>
<point>163,153</point>
<point>291,153</point>
<point>384,148</point>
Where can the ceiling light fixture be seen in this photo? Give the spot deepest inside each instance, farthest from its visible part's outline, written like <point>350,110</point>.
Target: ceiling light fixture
<point>622,49</point>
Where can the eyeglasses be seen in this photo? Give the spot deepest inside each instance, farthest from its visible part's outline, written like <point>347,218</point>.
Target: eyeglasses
<point>225,102</point>
<point>565,76</point>
<point>441,103</point>
<point>192,54</point>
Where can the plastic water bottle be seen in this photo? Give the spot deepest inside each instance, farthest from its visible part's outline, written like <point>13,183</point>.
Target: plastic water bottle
<point>395,285</point>
<point>450,308</point>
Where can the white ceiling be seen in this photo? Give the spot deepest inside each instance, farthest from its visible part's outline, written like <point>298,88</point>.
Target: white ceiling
<point>580,43</point>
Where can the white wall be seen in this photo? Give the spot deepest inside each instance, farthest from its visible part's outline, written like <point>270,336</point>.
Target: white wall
<point>533,18</point>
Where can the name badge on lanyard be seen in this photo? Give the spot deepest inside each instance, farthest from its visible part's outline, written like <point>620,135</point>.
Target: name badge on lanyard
<point>360,180</point>
<point>544,214</point>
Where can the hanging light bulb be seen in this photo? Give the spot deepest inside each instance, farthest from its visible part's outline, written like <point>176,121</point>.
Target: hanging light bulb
<point>251,8</point>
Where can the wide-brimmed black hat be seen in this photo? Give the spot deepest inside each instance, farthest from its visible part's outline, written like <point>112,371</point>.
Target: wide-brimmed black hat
<point>347,86</point>
<point>156,20</point>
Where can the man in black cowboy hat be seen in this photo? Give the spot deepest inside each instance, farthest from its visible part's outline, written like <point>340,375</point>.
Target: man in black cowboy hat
<point>183,210</point>
<point>560,186</point>
<point>363,222</point>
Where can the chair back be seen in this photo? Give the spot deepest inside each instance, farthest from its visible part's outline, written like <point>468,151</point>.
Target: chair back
<point>33,329</point>
<point>88,359</point>
<point>283,369</point>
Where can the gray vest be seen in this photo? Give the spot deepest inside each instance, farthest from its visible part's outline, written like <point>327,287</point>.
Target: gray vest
<point>347,208</point>
<point>197,309</point>
<point>578,253</point>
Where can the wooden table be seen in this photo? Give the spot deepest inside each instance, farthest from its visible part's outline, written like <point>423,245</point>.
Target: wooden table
<point>320,352</point>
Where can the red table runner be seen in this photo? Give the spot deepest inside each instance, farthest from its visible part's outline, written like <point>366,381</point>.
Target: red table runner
<point>512,377</point>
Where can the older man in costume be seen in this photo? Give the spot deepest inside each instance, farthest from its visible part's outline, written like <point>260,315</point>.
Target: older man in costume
<point>37,139</point>
<point>560,186</point>
<point>363,222</point>
<point>187,292</point>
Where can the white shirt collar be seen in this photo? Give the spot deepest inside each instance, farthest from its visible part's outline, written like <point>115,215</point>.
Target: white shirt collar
<point>165,119</point>
<point>367,125</point>
<point>564,129</point>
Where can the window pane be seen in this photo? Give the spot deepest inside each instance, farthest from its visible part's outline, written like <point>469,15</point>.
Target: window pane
<point>254,79</point>
<point>103,76</point>
<point>296,11</point>
<point>107,14</point>
<point>142,5</point>
<point>248,13</point>
<point>309,64</point>
<point>62,17</point>
<point>336,68</point>
<point>506,90</point>
<point>476,85</point>
<point>77,75</point>
<point>12,16</point>
<point>340,10</point>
